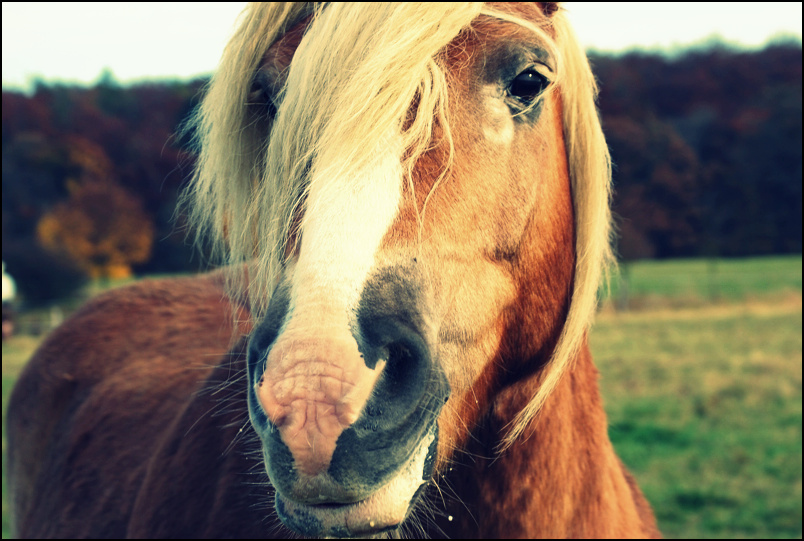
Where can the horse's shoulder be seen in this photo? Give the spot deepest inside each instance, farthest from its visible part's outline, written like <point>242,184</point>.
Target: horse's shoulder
<point>157,332</point>
<point>141,322</point>
<point>132,357</point>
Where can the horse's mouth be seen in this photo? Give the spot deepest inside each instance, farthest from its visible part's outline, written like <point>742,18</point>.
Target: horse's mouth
<point>383,510</point>
<point>361,518</point>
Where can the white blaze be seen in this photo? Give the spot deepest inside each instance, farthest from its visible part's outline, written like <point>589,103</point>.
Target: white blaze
<point>344,224</point>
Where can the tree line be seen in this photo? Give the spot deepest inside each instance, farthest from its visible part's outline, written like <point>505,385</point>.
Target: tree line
<point>706,148</point>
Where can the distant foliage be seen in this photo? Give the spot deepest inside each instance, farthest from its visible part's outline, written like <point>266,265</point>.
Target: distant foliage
<point>101,227</point>
<point>706,149</point>
<point>64,147</point>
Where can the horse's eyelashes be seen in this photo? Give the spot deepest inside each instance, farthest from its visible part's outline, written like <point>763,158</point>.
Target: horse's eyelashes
<point>528,85</point>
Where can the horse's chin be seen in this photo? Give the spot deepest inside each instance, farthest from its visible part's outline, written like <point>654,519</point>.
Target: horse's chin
<point>366,518</point>
<point>382,511</point>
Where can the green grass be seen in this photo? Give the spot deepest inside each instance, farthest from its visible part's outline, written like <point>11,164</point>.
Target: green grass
<point>15,353</point>
<point>687,282</point>
<point>704,407</point>
<point>702,385</point>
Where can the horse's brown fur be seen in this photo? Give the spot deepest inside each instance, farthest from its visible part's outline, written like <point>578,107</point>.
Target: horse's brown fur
<point>569,483</point>
<point>93,406</point>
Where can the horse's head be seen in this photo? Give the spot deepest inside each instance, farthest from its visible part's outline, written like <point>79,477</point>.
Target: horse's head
<point>401,174</point>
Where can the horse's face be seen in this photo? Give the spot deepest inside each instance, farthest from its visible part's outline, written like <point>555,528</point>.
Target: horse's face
<point>384,312</point>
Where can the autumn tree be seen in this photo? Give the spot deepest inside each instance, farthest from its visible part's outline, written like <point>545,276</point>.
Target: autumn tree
<point>101,226</point>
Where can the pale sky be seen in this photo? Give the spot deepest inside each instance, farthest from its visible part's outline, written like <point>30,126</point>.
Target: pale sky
<point>74,42</point>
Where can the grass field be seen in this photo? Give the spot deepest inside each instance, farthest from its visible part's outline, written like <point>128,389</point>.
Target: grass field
<point>705,408</point>
<point>699,282</point>
<point>702,384</point>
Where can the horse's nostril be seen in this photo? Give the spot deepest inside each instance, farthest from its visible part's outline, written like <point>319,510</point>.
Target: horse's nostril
<point>408,365</point>
<point>398,353</point>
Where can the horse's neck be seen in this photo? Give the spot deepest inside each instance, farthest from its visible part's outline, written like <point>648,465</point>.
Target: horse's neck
<point>562,479</point>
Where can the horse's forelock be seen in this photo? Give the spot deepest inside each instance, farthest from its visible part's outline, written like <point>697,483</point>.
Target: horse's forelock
<point>354,75</point>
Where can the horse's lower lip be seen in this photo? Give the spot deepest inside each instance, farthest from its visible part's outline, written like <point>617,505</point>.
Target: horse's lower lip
<point>384,509</point>
<point>334,519</point>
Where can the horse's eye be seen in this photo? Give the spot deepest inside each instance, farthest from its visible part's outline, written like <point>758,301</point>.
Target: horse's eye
<point>527,86</point>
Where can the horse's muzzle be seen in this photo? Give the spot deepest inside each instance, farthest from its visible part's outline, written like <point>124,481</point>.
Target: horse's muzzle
<point>347,415</point>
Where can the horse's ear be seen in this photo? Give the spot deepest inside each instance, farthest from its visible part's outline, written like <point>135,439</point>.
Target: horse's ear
<point>549,8</point>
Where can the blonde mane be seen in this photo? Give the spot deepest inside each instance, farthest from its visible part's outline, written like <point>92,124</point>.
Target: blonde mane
<point>355,75</point>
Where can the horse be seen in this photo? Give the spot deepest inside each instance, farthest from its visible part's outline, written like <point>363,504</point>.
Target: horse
<point>412,201</point>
